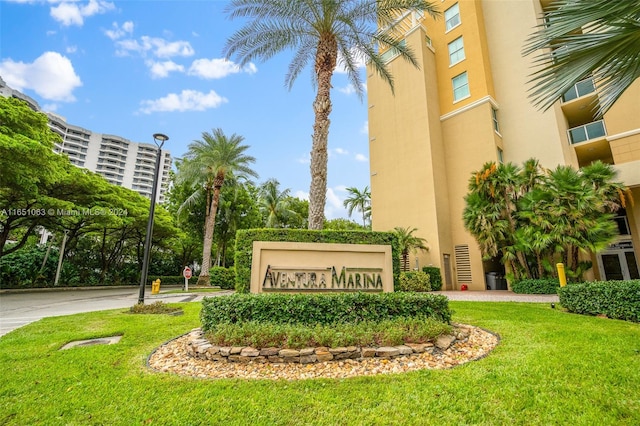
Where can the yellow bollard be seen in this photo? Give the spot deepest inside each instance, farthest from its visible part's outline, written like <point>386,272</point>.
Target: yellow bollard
<point>561,275</point>
<point>155,286</point>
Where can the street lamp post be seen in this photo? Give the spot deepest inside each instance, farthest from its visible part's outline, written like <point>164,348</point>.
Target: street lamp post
<point>159,139</point>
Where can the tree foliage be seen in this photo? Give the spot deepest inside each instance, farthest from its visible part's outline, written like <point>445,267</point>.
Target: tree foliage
<point>325,33</point>
<point>530,217</point>
<point>581,39</point>
<point>207,164</point>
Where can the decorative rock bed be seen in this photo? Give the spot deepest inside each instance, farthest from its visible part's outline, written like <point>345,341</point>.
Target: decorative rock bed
<point>199,347</point>
<point>192,355</point>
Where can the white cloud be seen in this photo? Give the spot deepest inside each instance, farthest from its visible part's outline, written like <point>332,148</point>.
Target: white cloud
<point>119,31</point>
<point>341,151</point>
<point>159,47</point>
<point>218,68</point>
<point>187,100</point>
<point>347,90</point>
<point>305,159</point>
<point>162,69</point>
<point>362,158</point>
<point>365,128</point>
<point>73,12</point>
<point>71,49</point>
<point>51,76</point>
<point>50,107</point>
<point>333,207</point>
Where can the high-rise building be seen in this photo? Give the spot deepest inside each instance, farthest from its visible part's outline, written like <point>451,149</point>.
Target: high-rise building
<point>466,105</point>
<point>120,161</point>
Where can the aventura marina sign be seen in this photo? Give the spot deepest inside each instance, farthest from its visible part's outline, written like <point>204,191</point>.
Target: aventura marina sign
<point>317,267</point>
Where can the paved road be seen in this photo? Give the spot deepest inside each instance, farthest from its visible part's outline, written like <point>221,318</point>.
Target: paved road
<point>21,308</point>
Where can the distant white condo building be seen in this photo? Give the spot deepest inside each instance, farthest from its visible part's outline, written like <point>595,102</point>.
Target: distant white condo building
<point>120,161</point>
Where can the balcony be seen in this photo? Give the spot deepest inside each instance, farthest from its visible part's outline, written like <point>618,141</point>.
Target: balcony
<point>580,89</point>
<point>580,102</point>
<point>594,130</point>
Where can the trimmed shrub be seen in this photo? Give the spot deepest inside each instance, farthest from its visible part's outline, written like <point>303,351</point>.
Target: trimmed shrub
<point>615,299</point>
<point>311,309</point>
<point>223,277</point>
<point>536,286</point>
<point>413,281</point>
<point>295,336</point>
<point>435,278</point>
<point>246,237</point>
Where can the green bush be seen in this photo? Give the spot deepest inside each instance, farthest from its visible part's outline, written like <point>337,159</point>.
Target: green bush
<point>615,299</point>
<point>536,286</point>
<point>414,281</point>
<point>435,278</point>
<point>295,336</point>
<point>223,277</point>
<point>246,237</point>
<point>311,309</point>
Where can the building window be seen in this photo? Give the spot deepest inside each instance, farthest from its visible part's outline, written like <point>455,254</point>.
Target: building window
<point>500,156</point>
<point>460,87</point>
<point>456,51</point>
<point>452,17</point>
<point>494,115</point>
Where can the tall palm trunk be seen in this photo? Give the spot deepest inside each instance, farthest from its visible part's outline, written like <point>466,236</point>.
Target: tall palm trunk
<point>325,64</point>
<point>210,222</point>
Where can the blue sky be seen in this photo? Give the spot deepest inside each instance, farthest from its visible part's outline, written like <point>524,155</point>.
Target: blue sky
<point>134,68</point>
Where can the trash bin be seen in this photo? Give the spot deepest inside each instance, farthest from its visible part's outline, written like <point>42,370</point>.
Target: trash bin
<point>501,283</point>
<point>490,278</point>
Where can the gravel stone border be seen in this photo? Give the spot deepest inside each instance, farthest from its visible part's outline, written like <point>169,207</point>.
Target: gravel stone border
<point>192,355</point>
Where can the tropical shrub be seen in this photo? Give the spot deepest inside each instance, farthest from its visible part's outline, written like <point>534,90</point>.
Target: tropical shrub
<point>435,278</point>
<point>246,237</point>
<point>223,277</point>
<point>311,309</point>
<point>539,286</point>
<point>413,281</point>
<point>615,299</point>
<point>295,336</point>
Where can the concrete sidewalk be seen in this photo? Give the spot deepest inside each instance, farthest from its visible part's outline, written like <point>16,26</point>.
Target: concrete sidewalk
<point>498,296</point>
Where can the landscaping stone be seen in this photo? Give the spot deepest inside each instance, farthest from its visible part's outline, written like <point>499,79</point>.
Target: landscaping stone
<point>269,351</point>
<point>288,353</point>
<point>445,341</point>
<point>387,351</point>
<point>253,352</point>
<point>405,350</point>
<point>181,356</point>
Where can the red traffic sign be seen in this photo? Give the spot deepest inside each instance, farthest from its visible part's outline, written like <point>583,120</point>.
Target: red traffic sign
<point>187,272</point>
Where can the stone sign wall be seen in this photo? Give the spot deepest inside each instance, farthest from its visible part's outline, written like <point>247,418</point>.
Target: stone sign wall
<point>320,267</point>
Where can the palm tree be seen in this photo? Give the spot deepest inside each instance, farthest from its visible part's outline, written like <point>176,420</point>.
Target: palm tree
<point>323,32</point>
<point>583,38</point>
<point>274,204</point>
<point>409,243</point>
<point>359,200</point>
<point>206,165</point>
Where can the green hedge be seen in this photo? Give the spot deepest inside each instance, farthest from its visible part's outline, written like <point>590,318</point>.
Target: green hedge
<point>246,237</point>
<point>413,281</point>
<point>223,277</point>
<point>435,278</point>
<point>536,286</point>
<point>311,309</point>
<point>615,299</point>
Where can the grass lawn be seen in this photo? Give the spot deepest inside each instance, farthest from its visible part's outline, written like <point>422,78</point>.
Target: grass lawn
<point>550,368</point>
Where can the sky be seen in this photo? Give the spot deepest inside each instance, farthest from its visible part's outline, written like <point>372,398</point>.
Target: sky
<point>133,68</point>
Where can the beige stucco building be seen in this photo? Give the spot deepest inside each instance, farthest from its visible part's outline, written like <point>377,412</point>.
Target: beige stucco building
<point>467,105</point>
